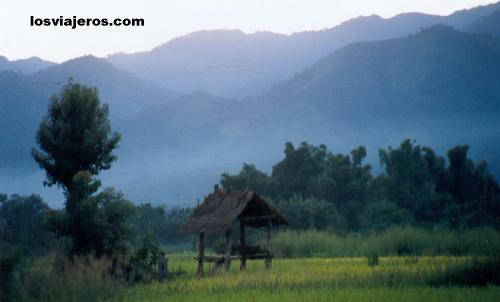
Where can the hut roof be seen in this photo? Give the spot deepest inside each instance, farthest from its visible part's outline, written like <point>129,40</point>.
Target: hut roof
<point>220,209</point>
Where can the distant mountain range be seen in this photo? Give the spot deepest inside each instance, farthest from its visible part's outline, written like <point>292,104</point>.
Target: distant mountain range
<point>234,64</point>
<point>399,78</point>
<point>26,66</point>
<point>489,24</point>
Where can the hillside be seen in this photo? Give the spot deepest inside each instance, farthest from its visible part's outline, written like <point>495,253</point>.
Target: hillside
<point>24,99</point>
<point>26,66</point>
<point>232,63</point>
<point>438,87</point>
<point>486,25</point>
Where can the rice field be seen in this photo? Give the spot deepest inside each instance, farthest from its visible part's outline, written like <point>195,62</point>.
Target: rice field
<point>317,279</point>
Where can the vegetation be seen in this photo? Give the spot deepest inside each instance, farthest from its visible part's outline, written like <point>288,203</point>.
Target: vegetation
<point>76,143</point>
<point>21,224</point>
<point>397,241</point>
<point>426,224</point>
<point>160,223</point>
<point>316,188</point>
<point>345,279</point>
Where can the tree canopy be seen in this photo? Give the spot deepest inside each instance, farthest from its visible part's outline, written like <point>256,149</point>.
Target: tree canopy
<point>75,136</point>
<point>416,187</point>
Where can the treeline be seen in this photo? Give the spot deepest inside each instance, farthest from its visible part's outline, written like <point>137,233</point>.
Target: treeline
<point>25,224</point>
<point>316,188</point>
<point>132,235</point>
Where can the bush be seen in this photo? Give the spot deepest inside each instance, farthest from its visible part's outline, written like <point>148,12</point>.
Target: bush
<point>311,213</point>
<point>21,223</point>
<point>10,277</point>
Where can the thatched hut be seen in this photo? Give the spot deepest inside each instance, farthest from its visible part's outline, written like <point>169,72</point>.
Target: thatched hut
<point>217,214</point>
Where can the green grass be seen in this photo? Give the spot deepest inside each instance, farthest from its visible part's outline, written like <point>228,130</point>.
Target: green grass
<point>390,242</point>
<point>318,279</point>
<point>320,266</point>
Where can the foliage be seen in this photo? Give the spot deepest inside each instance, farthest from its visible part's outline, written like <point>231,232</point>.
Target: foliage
<point>343,279</point>
<point>145,262</point>
<point>76,143</point>
<point>21,223</point>
<point>417,187</point>
<point>396,241</point>
<point>75,136</point>
<point>10,279</point>
<point>100,226</point>
<point>311,213</point>
<point>383,214</point>
<point>162,224</point>
<point>149,253</point>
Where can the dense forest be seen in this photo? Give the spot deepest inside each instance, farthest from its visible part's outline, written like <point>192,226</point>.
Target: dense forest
<point>316,188</point>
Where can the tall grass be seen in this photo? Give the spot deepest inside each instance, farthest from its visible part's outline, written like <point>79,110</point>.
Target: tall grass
<point>46,279</point>
<point>315,279</point>
<point>392,242</point>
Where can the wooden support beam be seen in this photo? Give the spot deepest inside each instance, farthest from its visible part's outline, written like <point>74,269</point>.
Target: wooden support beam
<point>201,255</point>
<point>243,261</point>
<point>227,260</point>
<point>269,249</point>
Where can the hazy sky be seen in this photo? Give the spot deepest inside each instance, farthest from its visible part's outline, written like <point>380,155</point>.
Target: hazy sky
<point>166,19</point>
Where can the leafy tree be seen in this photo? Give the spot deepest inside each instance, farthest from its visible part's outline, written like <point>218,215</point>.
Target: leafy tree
<point>100,225</point>
<point>384,214</point>
<point>416,187</point>
<point>249,177</point>
<point>311,213</point>
<point>76,143</point>
<point>299,170</point>
<point>313,174</point>
<point>21,223</point>
<point>346,184</point>
<point>412,177</point>
<point>75,136</point>
<point>157,221</point>
<point>475,193</point>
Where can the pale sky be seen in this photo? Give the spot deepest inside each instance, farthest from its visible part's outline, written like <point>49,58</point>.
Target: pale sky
<point>167,19</point>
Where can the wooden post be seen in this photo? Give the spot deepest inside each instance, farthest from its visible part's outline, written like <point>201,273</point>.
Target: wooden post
<point>227,260</point>
<point>163,265</point>
<point>243,261</point>
<point>269,252</point>
<point>201,254</point>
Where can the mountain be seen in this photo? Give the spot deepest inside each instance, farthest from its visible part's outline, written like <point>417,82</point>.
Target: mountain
<point>438,86</point>
<point>125,93</point>
<point>25,66</point>
<point>232,63</point>
<point>486,25</point>
<point>24,100</point>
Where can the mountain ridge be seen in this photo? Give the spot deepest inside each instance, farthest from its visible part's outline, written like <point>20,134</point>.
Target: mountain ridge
<point>232,63</point>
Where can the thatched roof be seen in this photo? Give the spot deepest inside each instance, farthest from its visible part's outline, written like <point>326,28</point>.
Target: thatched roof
<point>220,209</point>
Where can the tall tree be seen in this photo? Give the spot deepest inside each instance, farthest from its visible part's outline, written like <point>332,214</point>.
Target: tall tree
<point>412,173</point>
<point>76,143</point>
<point>75,136</point>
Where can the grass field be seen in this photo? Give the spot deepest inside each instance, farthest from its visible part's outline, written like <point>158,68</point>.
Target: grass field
<point>315,279</point>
